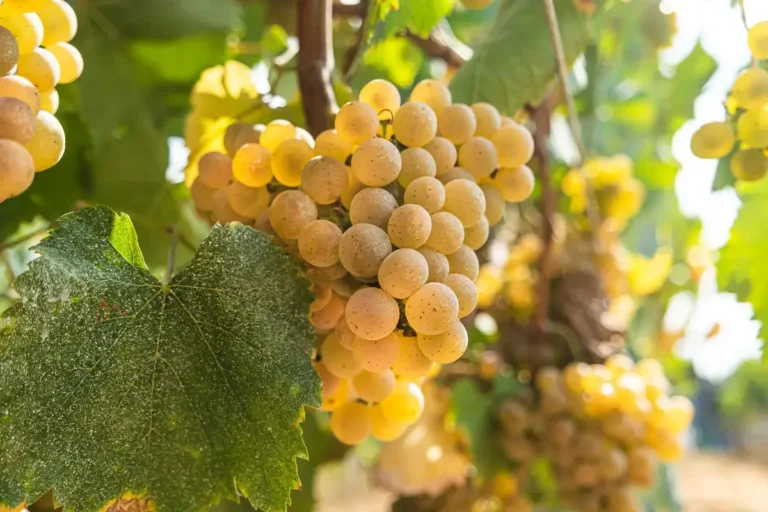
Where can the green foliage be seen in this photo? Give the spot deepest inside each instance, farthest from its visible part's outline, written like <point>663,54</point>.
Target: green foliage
<point>418,16</point>
<point>746,392</point>
<point>187,392</point>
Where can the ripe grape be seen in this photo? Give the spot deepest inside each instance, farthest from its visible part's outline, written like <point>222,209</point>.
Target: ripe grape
<point>356,122</point>
<point>248,201</point>
<point>515,183</point>
<point>9,51</point>
<point>215,169</point>
<point>446,347</point>
<point>288,161</point>
<point>26,28</point>
<point>202,195</point>
<point>758,40</point>
<point>350,423</point>
<point>641,465</point>
<point>415,124</point>
<point>417,163</point>
<point>20,88</point>
<point>372,206</point>
<point>377,355</point>
<point>403,272</point>
<point>49,101</point>
<point>222,210</point>
<point>374,387</point>
<point>17,122</point>
<point>507,121</point>
<point>372,313</point>
<point>457,123</point>
<point>444,153</point>
<point>433,94</point>
<point>405,404</point>
<point>447,234</point>
<point>713,140</point>
<point>476,236</point>
<point>409,226</point>
<point>362,249</point>
<point>513,417</point>
<point>488,119</point>
<point>337,359</point>
<point>514,145</point>
<point>330,381</point>
<point>330,143</point>
<point>48,143</point>
<point>432,309</point>
<point>17,169</point>
<point>340,396</point>
<point>476,5</point>
<point>323,295</point>
<point>319,243</point>
<point>353,188</point>
<point>464,262</point>
<point>381,95</point>
<point>376,162</point>
<point>466,201</point>
<point>59,21</point>
<point>518,448</point>
<point>275,133</point>
<point>465,291</point>
<point>426,192</point>
<point>382,428</point>
<point>252,165</point>
<point>328,317</point>
<point>240,134</point>
<point>751,88</point>
<point>437,262</point>
<point>41,68</point>
<point>749,164</point>
<point>411,363</point>
<point>561,432</point>
<point>479,157</point>
<point>290,211</point>
<point>70,61</point>
<point>324,179</point>
<point>752,128</point>
<point>457,173</point>
<point>344,334</point>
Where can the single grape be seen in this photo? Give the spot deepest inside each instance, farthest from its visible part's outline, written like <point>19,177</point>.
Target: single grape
<point>48,144</point>
<point>464,262</point>
<point>465,291</point>
<point>457,173</point>
<point>363,248</point>
<point>479,157</point>
<point>202,195</point>
<point>382,428</point>
<point>323,294</point>
<point>372,313</point>
<point>248,201</point>
<point>319,243</point>
<point>447,234</point>
<point>357,122</point>
<point>59,21</point>
<point>417,163</point>
<point>415,124</point>
<point>749,164</point>
<point>337,359</point>
<point>240,134</point>
<point>49,101</point>
<point>372,206</point>
<point>9,51</point>
<point>403,272</point>
<point>330,143</point>
<point>215,169</point>
<point>488,119</point>
<point>344,334</point>
<point>20,88</point>
<point>476,236</point>
<point>713,140</point>
<point>495,206</point>
<point>330,381</point>
<point>409,226</point>
<point>457,123</point>
<point>289,160</point>
<point>751,88</point>
<point>433,94</point>
<point>758,40</point>
<point>377,355</point>
<point>26,28</point>
<point>328,317</point>
<point>41,68</point>
<point>70,61</point>
<point>350,423</point>
<point>466,201</point>
<point>381,95</point>
<point>252,165</point>
<point>374,387</point>
<point>444,153</point>
<point>641,466</point>
<point>222,210</point>
<point>290,211</point>
<point>354,187</point>
<point>411,363</point>
<point>514,145</point>
<point>437,263</point>
<point>277,132</point>
<point>446,347</point>
<point>432,309</point>
<point>17,122</point>
<point>515,183</point>
<point>426,192</point>
<point>324,179</point>
<point>752,128</point>
<point>376,162</point>
<point>339,397</point>
<point>17,169</point>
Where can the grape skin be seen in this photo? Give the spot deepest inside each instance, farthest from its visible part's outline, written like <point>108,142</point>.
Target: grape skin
<point>426,192</point>
<point>277,132</point>
<point>319,243</point>
<point>403,272</point>
<point>290,211</point>
<point>374,387</point>
<point>377,355</point>
<point>752,128</point>
<point>381,95</point>
<point>432,309</point>
<point>48,144</point>
<point>444,153</point>
<point>27,29</point>
<point>248,201</point>
<point>376,162</point>
<point>751,88</point>
<point>222,210</point>
<point>495,206</point>
<point>457,123</point>
<point>70,61</point>
<point>337,359</point>
<point>457,173</point>
<point>41,68</point>
<point>372,313</point>
<point>465,262</point>
<point>17,169</point>
<point>324,179</point>
<point>59,22</point>
<point>202,195</point>
<point>488,119</point>
<point>479,157</point>
<point>372,206</point>
<point>252,165</point>
<point>363,248</point>
<point>20,88</point>
<point>437,263</point>
<point>758,40</point>
<point>327,317</point>
<point>382,428</point>
<point>433,94</point>
<point>356,122</point>
<point>9,51</point>
<point>288,161</point>
<point>411,363</point>
<point>215,169</point>
<point>476,236</point>
<point>466,201</point>
<point>514,145</point>
<point>409,226</point>
<point>405,404</point>
<point>417,163</point>
<point>17,121</point>
<point>415,124</point>
<point>447,234</point>
<point>350,423</point>
<point>446,347</point>
<point>465,291</point>
<point>330,143</point>
<point>713,140</point>
<point>49,101</point>
<point>749,164</point>
<point>240,134</point>
<point>515,184</point>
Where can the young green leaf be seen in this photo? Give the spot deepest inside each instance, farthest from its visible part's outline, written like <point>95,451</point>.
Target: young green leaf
<point>186,393</point>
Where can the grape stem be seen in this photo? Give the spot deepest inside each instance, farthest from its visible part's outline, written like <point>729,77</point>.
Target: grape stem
<point>755,62</point>
<point>316,64</point>
<point>352,56</point>
<point>440,45</point>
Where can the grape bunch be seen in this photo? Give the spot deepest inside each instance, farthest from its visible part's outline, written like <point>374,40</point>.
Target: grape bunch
<point>35,56</point>
<point>386,210</point>
<point>602,429</point>
<point>744,135</point>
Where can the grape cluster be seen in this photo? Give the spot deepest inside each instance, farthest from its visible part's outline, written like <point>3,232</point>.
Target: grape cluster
<point>31,138</point>
<point>387,211</point>
<point>747,123</point>
<point>603,429</point>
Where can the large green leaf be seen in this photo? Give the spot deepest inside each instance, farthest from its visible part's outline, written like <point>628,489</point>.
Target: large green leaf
<point>418,16</point>
<point>516,63</point>
<point>112,382</point>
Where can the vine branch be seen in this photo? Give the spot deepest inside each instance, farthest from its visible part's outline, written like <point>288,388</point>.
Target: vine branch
<point>440,45</point>
<point>315,69</point>
<point>352,55</point>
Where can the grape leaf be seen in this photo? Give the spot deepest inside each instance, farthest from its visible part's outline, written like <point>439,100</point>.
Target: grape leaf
<point>113,383</point>
<point>419,16</point>
<point>516,63</point>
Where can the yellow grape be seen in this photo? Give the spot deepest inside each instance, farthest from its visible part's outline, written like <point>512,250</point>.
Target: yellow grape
<point>377,355</point>
<point>222,210</point>
<point>447,234</point>
<point>433,94</point>
<point>403,272</point>
<point>457,173</point>
<point>437,262</point>
<point>41,68</point>
<point>288,161</point>
<point>48,143</point>
<point>25,5</point>
<point>488,119</point>
<point>372,206</point>
<point>416,163</point>
<point>26,28</point>
<point>446,347</point>
<point>324,179</point>
<point>330,381</point>
<point>476,236</point>
<point>444,153</point>
<point>344,334</point>
<point>426,192</point>
<point>758,40</point>
<point>475,5</point>
<point>713,140</point>
<point>752,128</point>
<point>465,290</point>
<point>479,156</point>
<point>251,165</point>
<point>464,262</point>
<point>373,387</point>
<point>330,143</point>
<point>338,397</point>
<point>457,123</point>
<point>495,206</point>
<point>515,183</point>
<point>215,169</point>
<point>411,363</point>
<point>381,95</point>
<point>415,124</point>
<point>362,249</point>
<point>17,122</point>
<point>240,134</point>
<point>514,145</point>
<point>290,211</point>
<point>17,169</point>
<point>70,61</point>
<point>751,88</point>
<point>372,313</point>
<point>465,200</point>
<point>20,88</point>
<point>277,132</point>
<point>337,359</point>
<point>410,226</point>
<point>319,243</point>
<point>749,164</point>
<point>432,309</point>
<point>507,121</point>
<point>49,101</point>
<point>328,317</point>
<point>376,162</point>
<point>248,201</point>
<point>202,195</point>
<point>59,21</point>
<point>9,51</point>
<point>350,423</point>
<point>356,122</point>
<point>382,428</point>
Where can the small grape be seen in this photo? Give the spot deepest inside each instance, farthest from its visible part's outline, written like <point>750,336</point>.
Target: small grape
<point>476,236</point>
<point>749,164</point>
<point>466,201</point>
<point>446,347</point>
<point>374,387</point>
<point>17,121</point>
<point>457,123</point>
<point>377,355</point>
<point>465,291</point>
<point>20,88</point>
<point>372,313</point>
<point>758,40</point>
<point>641,466</point>
<point>319,243</point>
<point>277,132</point>
<point>415,124</point>
<point>438,264</point>
<point>330,381</point>
<point>457,173</point>
<point>514,145</point>
<point>17,169</point>
<point>350,423</point>
<point>252,165</point>
<point>479,157</point>
<point>215,169</point>
<point>488,119</point>
<point>515,183</point>
<point>409,226</point>
<point>417,163</point>
<point>357,122</point>
<point>202,195</point>
<point>713,140</point>
<point>433,94</point>
<point>426,192</point>
<point>354,187</point>
<point>344,334</point>
<point>405,404</point>
<point>444,153</point>
<point>376,162</point>
<point>432,309</point>
<point>330,143</point>
<point>41,68</point>
<point>70,61</point>
<point>324,179</point>
<point>337,359</point>
<point>240,134</point>
<point>507,121</point>
<point>328,317</point>
<point>247,201</point>
<point>59,21</point>
<point>48,144</point>
<point>323,294</point>
<point>222,210</point>
<point>411,363</point>
<point>514,417</point>
<point>751,88</point>
<point>382,428</point>
<point>464,262</point>
<point>363,248</point>
<point>340,396</point>
<point>49,101</point>
<point>752,128</point>
<point>27,29</point>
<point>9,51</point>
<point>290,211</point>
<point>289,160</point>
<point>372,206</point>
<point>447,234</point>
<point>381,95</point>
<point>403,272</point>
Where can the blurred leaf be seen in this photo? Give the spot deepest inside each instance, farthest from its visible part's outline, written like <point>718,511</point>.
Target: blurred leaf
<point>274,41</point>
<point>158,61</point>
<point>395,59</point>
<point>689,79</point>
<point>418,16</point>
<point>516,63</point>
<point>723,176</point>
